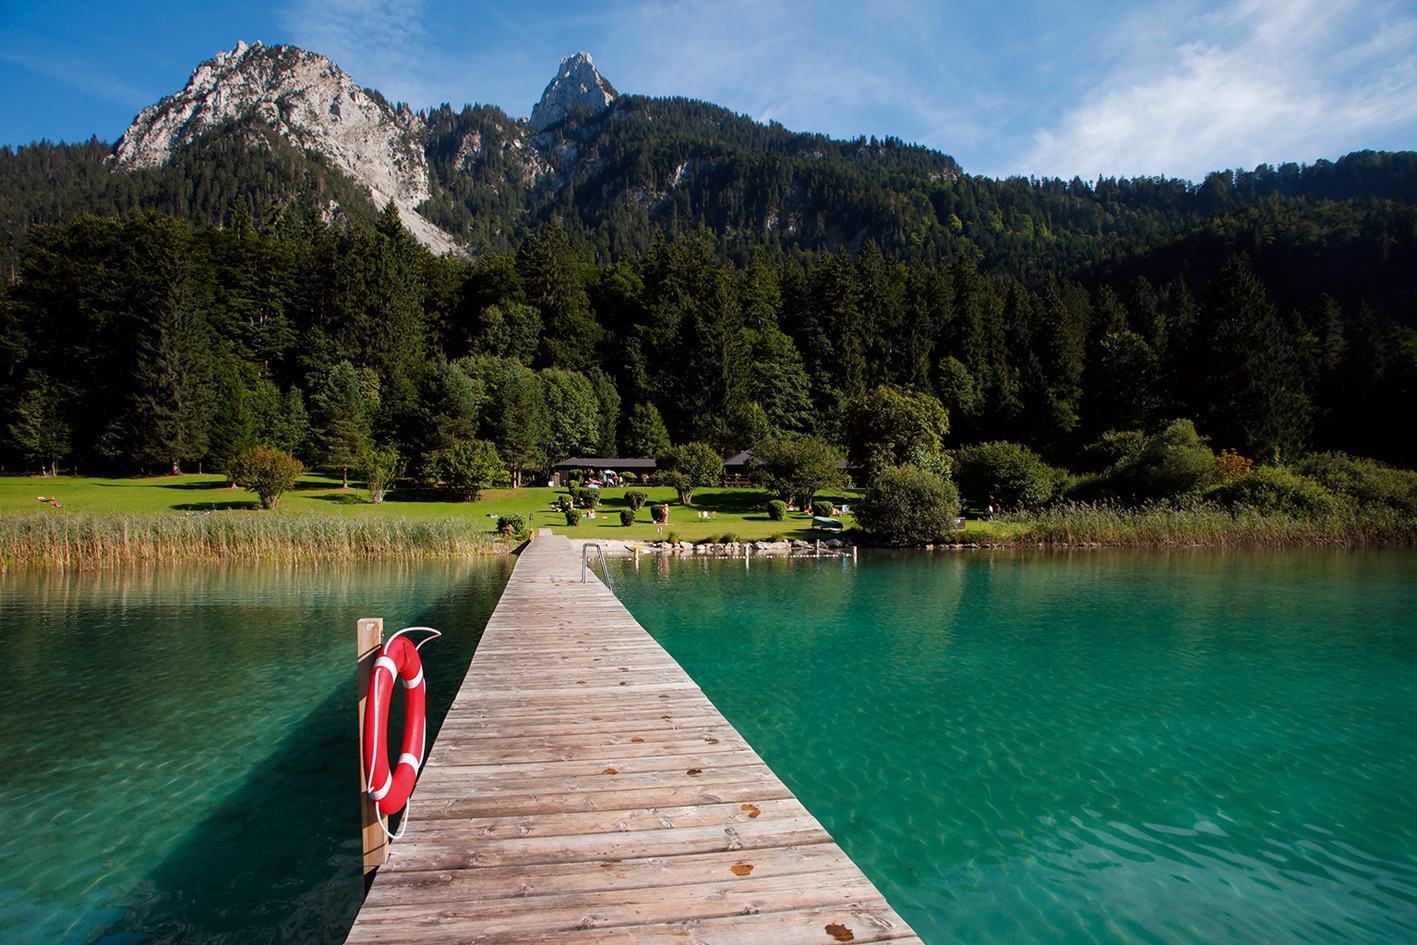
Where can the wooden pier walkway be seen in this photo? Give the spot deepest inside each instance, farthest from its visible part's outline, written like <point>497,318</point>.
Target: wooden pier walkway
<point>583,790</point>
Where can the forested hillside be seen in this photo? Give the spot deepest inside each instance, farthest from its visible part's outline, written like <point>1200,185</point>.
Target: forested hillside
<point>141,342</point>
<point>667,271</point>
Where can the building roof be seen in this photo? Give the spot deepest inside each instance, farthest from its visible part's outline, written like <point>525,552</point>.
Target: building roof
<point>604,462</point>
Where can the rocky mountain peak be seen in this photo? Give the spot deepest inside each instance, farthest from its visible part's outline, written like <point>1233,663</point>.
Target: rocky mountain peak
<point>312,103</point>
<point>577,85</point>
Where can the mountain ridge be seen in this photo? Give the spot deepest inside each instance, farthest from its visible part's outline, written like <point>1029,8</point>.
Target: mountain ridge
<point>618,177</point>
<point>534,168</point>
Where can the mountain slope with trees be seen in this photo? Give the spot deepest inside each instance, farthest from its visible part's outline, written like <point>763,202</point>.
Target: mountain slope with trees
<point>664,272</point>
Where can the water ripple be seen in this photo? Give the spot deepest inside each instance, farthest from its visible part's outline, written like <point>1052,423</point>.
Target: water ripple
<point>1170,748</point>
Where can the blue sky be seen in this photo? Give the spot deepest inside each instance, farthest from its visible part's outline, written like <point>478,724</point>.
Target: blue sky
<point>1156,87</point>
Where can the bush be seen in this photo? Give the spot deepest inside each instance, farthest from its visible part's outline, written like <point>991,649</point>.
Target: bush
<point>1367,481</point>
<point>906,505</point>
<point>1005,474</point>
<point>777,510</point>
<point>660,513</point>
<point>268,473</point>
<point>468,467</point>
<point>564,503</point>
<point>636,499</point>
<point>1113,448</point>
<point>823,509</point>
<point>1272,489</point>
<point>585,498</point>
<point>573,517</point>
<point>512,525</point>
<point>1175,463</point>
<point>627,516</point>
<point>381,467</point>
<point>1230,465</point>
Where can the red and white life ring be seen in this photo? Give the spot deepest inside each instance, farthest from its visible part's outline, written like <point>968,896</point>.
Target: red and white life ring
<point>390,790</point>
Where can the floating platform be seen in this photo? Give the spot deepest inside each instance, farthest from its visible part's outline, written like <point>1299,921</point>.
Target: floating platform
<point>583,790</point>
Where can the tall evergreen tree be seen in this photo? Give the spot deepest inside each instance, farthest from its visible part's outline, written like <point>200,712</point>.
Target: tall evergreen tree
<point>232,429</point>
<point>172,379</point>
<point>551,273</point>
<point>344,413</point>
<point>1254,398</point>
<point>39,428</point>
<point>377,298</point>
<point>644,434</point>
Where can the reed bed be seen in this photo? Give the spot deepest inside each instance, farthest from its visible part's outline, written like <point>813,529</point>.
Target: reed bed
<point>94,540</point>
<point>1209,525</point>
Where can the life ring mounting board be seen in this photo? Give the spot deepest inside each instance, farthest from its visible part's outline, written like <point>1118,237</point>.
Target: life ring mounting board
<point>399,660</point>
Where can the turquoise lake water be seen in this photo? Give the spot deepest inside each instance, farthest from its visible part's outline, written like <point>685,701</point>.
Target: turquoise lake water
<point>1095,747</point>
<point>180,746</point>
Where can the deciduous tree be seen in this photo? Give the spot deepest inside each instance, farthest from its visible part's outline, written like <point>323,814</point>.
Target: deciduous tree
<point>796,466</point>
<point>689,467</point>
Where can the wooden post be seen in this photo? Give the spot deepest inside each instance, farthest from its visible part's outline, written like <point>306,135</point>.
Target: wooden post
<point>369,639</point>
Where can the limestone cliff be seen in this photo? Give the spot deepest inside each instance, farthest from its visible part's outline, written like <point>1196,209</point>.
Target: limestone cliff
<point>314,104</point>
<point>577,85</point>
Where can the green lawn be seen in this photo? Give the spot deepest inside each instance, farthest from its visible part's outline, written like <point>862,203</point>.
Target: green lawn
<point>732,511</point>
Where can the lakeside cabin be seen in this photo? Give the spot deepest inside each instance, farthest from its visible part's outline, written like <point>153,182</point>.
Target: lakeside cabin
<point>609,469</point>
<point>564,471</point>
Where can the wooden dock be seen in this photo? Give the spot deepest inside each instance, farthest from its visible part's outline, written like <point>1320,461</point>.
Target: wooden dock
<point>583,789</point>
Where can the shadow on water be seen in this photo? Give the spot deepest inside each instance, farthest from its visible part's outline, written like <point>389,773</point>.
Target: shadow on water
<point>279,861</point>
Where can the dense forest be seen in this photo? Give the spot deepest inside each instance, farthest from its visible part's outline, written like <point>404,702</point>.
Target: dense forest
<point>684,274</point>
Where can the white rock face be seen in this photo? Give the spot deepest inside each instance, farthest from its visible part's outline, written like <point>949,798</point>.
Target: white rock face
<point>577,85</point>
<point>311,102</point>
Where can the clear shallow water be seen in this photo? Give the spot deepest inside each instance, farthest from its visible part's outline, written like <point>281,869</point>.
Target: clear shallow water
<point>1099,747</point>
<point>180,758</point>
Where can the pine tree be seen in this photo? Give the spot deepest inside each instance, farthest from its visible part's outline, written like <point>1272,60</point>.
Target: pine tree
<point>39,427</point>
<point>1252,385</point>
<point>550,270</point>
<point>344,416</point>
<point>172,380</point>
<point>645,434</point>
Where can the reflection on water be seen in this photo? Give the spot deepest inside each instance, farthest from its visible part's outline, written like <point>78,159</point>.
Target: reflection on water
<point>1090,747</point>
<point>180,744</point>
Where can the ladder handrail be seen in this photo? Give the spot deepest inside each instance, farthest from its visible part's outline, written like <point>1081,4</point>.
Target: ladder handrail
<point>604,565</point>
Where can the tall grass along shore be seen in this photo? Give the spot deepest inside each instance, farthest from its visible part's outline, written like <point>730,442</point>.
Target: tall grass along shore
<point>1206,524</point>
<point>94,540</point>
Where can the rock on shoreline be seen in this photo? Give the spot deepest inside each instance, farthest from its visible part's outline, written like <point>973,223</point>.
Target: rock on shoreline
<point>621,548</point>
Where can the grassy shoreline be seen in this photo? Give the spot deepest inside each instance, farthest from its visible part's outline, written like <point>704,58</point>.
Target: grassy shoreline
<point>1207,525</point>
<point>102,523</point>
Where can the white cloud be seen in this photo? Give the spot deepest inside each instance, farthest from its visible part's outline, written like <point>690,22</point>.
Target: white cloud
<point>1252,82</point>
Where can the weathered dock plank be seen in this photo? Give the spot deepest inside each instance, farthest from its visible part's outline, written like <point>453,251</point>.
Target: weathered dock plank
<point>583,789</point>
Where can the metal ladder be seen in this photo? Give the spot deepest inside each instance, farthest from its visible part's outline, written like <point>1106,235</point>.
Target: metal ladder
<point>604,566</point>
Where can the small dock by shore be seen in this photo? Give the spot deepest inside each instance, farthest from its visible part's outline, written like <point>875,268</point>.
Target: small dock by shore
<point>583,789</point>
